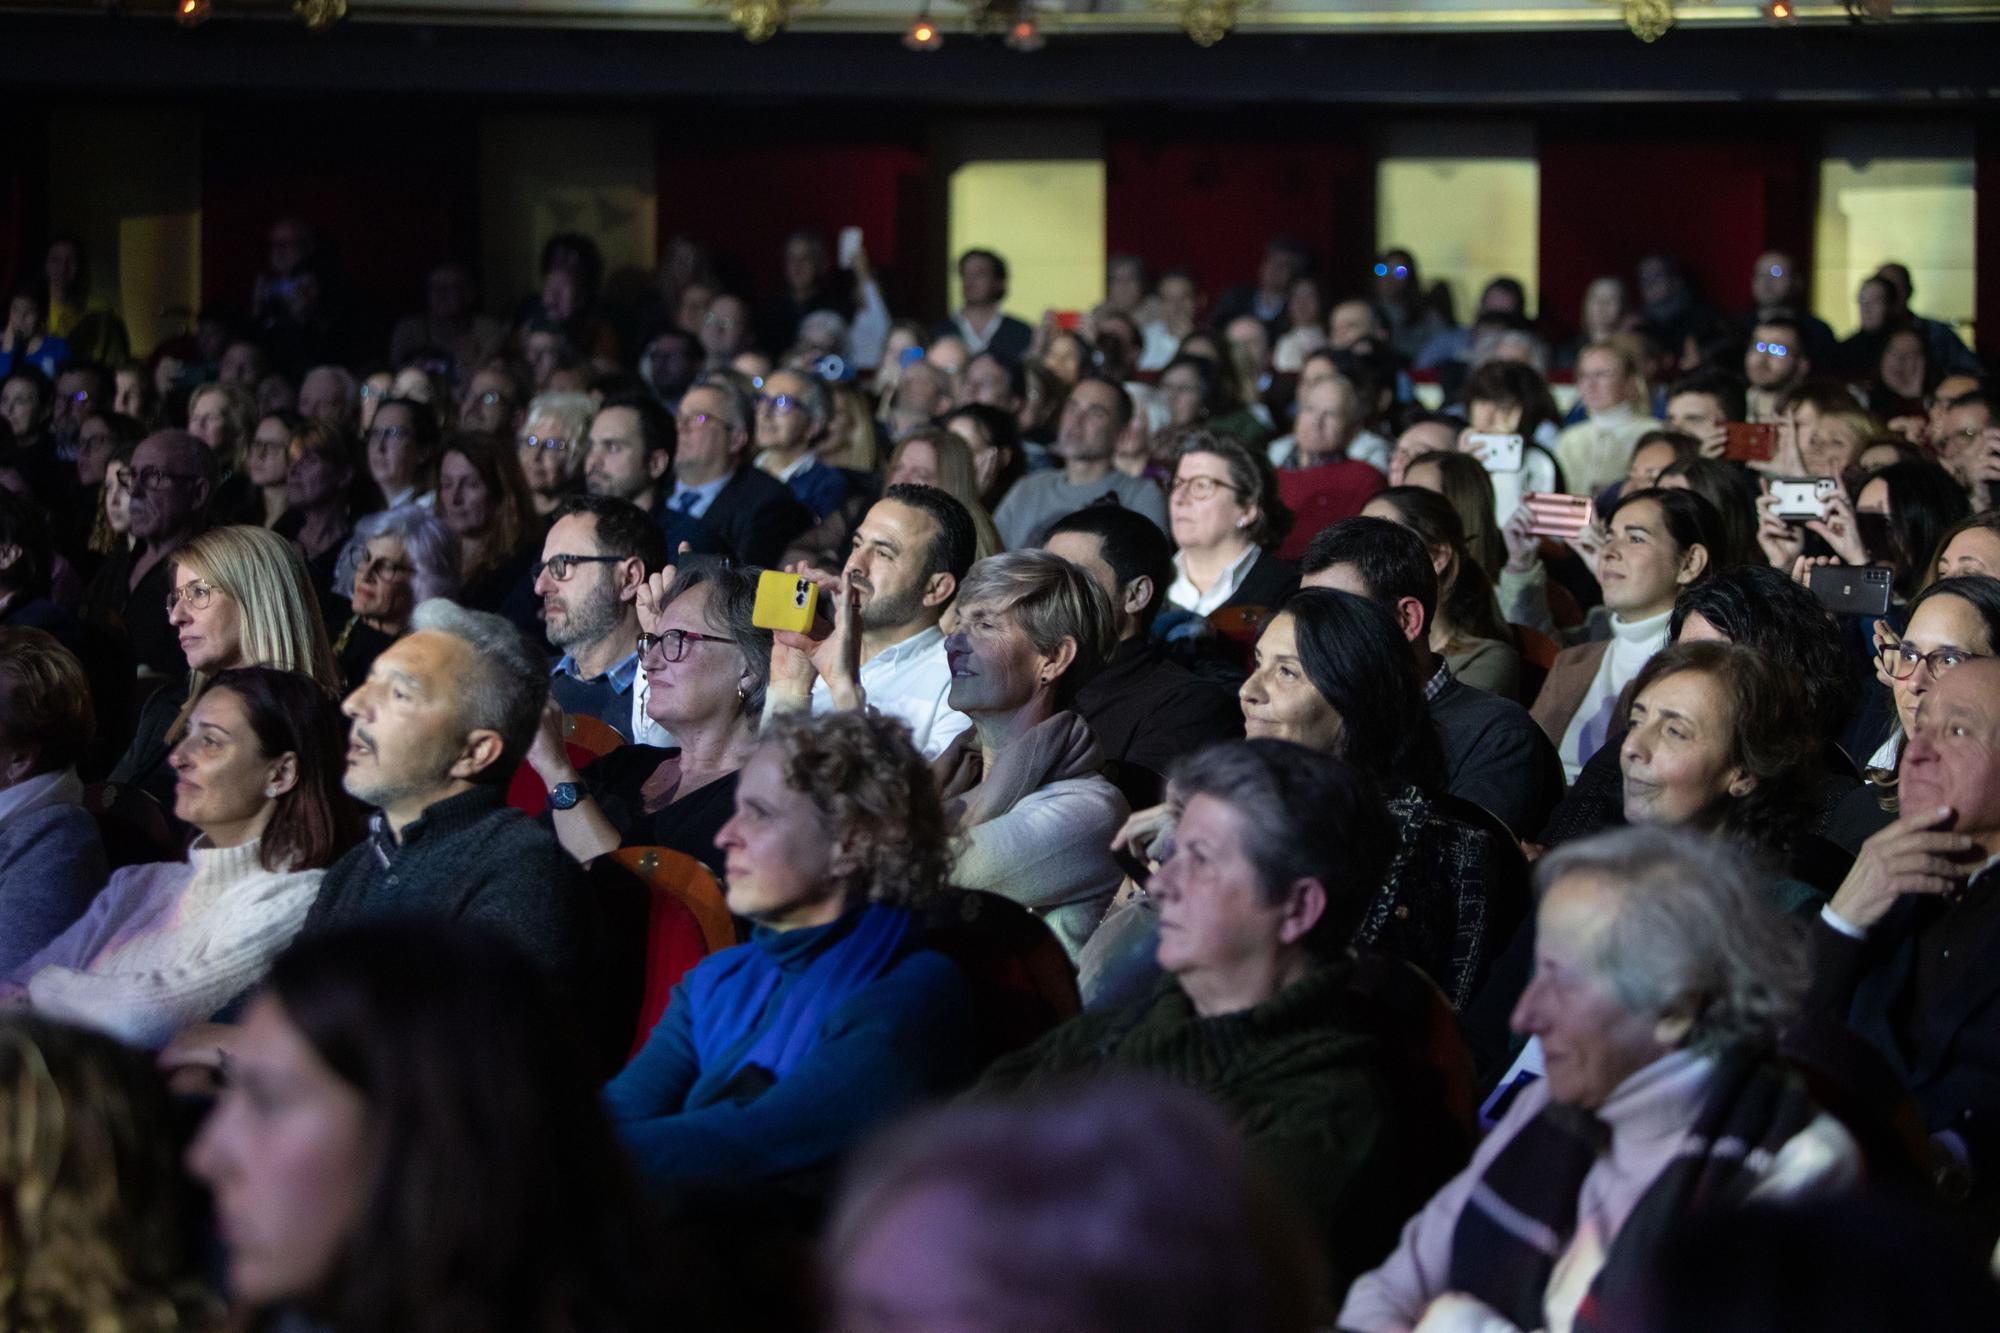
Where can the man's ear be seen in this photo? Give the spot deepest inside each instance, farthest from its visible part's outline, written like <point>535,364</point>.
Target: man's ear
<point>482,749</point>
<point>1305,904</point>
<point>940,588</point>
<point>1410,618</point>
<point>657,463</point>
<point>631,578</point>
<point>10,555</point>
<point>1137,593</point>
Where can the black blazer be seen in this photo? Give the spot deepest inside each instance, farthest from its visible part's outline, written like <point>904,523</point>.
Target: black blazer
<point>754,518</point>
<point>1268,582</point>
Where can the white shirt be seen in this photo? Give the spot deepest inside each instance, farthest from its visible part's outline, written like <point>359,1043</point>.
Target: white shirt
<point>1182,592</point>
<point>1366,447</point>
<point>910,681</point>
<point>791,469</point>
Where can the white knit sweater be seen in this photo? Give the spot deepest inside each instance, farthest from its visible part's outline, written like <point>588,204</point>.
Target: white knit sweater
<point>167,945</point>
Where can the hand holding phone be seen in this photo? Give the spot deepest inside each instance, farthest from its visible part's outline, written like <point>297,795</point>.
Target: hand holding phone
<point>1749,441</point>
<point>784,601</point>
<point>1853,590</point>
<point>1800,498</point>
<point>1497,453</point>
<point>1563,517</point>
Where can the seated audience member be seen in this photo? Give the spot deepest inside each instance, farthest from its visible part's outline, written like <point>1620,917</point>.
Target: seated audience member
<point>1023,786</point>
<point>395,560</point>
<point>793,411</point>
<point>708,668</point>
<point>551,443</point>
<point>776,1056</point>
<point>483,499</point>
<point>935,456</point>
<point>1658,542</point>
<point>166,946</point>
<point>910,555</point>
<point>1321,484</point>
<point>1901,953</point>
<point>631,457</point>
<point>1495,756</point>
<point>1426,433</point>
<point>51,860</point>
<point>221,416</point>
<point>1895,518</point>
<point>401,445</point>
<point>1342,428</point>
<point>1467,631</point>
<point>596,559</point>
<point>438,727</point>
<point>1509,398</point>
<point>331,394</point>
<point>450,324</point>
<point>1264,1004</point>
<point>91,1193</point>
<point>1656,451</point>
<point>1094,414</point>
<point>1145,710</point>
<point>1733,493</point>
<point>1224,513</point>
<point>241,597</point>
<point>1969,546</point>
<point>173,476</point>
<point>445,1162</point>
<point>319,514</point>
<point>103,438</point>
<point>1702,404</point>
<point>981,321</point>
<point>1202,391</point>
<point>744,513</point>
<point>1611,389</point>
<point>994,439</point>
<point>1661,983</point>
<point>977,1210</point>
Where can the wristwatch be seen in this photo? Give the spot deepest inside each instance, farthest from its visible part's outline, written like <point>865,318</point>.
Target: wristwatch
<point>564,796</point>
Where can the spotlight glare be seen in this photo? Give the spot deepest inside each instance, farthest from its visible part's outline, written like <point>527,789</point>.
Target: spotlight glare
<point>923,35</point>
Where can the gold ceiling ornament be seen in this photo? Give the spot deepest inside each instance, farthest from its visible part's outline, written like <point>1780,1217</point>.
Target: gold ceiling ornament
<point>1208,21</point>
<point>761,20</point>
<point>1649,19</point>
<point>319,15</point>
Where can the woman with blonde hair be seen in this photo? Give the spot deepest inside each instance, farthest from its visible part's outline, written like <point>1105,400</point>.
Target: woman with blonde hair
<point>241,597</point>
<point>935,456</point>
<point>850,441</point>
<point>221,416</point>
<point>92,1206</point>
<point>1611,385</point>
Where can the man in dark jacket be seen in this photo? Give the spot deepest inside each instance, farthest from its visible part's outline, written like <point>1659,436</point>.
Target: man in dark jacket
<point>745,514</point>
<point>1495,755</point>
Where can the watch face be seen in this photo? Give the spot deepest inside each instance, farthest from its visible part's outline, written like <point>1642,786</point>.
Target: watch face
<point>564,796</point>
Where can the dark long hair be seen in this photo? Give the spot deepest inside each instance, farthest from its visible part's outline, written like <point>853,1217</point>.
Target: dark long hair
<point>1925,502</point>
<point>1731,491</point>
<point>1355,655</point>
<point>316,820</point>
<point>499,1198</point>
<point>1690,521</point>
<point>1762,608</point>
<point>1463,588</point>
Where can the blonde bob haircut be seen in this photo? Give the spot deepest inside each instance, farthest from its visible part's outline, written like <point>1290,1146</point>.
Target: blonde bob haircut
<point>1051,600</point>
<point>278,617</point>
<point>239,418</point>
<point>1626,348</point>
<point>957,478</point>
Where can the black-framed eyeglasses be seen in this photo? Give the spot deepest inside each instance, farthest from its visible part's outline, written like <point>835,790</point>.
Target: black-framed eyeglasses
<point>693,420</point>
<point>672,646</point>
<point>1201,488</point>
<point>1901,660</point>
<point>560,567</point>
<point>146,478</point>
<point>196,595</point>
<point>383,568</point>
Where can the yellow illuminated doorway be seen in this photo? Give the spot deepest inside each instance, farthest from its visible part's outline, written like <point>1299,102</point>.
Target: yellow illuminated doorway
<point>1896,192</point>
<point>1465,199</point>
<point>1046,219</point>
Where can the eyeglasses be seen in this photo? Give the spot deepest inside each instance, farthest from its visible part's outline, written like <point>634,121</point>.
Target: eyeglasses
<point>146,478</point>
<point>1400,270</point>
<point>196,596</point>
<point>489,398</point>
<point>695,420</point>
<point>783,404</point>
<point>1901,661</point>
<point>383,568</point>
<point>390,434</point>
<point>1201,488</point>
<point>558,444</point>
<point>672,646</point>
<point>1771,349</point>
<point>560,566</point>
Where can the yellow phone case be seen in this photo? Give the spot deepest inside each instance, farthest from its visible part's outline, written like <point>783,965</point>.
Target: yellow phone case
<point>784,601</point>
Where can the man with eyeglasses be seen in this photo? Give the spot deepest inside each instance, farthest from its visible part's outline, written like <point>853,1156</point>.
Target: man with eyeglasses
<point>598,554</point>
<point>1775,363</point>
<point>745,514</point>
<point>1093,417</point>
<point>1969,446</point>
<point>792,416</point>
<point>1905,953</point>
<point>173,479</point>
<point>1321,485</point>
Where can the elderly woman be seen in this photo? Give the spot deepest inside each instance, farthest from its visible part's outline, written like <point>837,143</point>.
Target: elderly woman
<point>51,861</point>
<point>395,560</point>
<point>1662,980</point>
<point>165,946</point>
<point>240,597</point>
<point>775,1056</point>
<point>403,1061</point>
<point>1225,515</point>
<point>707,668</point>
<point>1609,384</point>
<point>1262,1006</point>
<point>483,498</point>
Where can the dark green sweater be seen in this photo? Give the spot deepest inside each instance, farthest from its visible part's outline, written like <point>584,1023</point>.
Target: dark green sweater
<point>1317,1078</point>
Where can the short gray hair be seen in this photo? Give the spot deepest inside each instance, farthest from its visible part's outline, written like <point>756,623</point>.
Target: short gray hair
<point>509,681</point>
<point>574,410</point>
<point>428,543</point>
<point>1052,600</point>
<point>1695,932</point>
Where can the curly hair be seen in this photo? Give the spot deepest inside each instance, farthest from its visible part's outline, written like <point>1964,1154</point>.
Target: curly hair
<point>879,800</point>
<point>91,1195</point>
<point>1771,737</point>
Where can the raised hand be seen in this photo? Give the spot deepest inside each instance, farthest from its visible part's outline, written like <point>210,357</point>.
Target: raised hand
<point>651,602</point>
<point>1912,855</point>
<point>1779,540</point>
<point>1840,530</point>
<point>1523,547</point>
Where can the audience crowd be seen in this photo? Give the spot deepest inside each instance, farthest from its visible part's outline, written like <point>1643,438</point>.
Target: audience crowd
<point>735,809</point>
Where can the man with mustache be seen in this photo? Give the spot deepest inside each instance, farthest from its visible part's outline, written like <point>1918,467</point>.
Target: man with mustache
<point>597,556</point>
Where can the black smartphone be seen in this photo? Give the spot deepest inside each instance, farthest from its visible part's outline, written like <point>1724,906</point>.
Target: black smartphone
<point>1854,590</point>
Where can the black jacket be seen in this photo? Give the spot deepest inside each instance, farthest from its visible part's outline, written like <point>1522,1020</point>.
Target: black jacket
<point>1268,582</point>
<point>1148,711</point>
<point>1497,757</point>
<point>755,518</point>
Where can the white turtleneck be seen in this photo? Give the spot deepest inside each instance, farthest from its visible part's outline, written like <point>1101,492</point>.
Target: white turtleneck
<point>1633,643</point>
<point>1595,452</point>
<point>167,945</point>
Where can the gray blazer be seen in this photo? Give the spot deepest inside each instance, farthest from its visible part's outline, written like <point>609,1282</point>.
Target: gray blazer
<point>51,866</point>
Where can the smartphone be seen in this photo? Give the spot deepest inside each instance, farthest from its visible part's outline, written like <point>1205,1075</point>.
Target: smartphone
<point>849,246</point>
<point>1499,453</point>
<point>1854,590</point>
<point>1801,498</point>
<point>1749,441</point>
<point>784,601</point>
<point>1563,517</point>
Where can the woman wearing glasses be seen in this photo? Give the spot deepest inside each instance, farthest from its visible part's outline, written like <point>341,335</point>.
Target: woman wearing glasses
<point>707,668</point>
<point>1225,515</point>
<point>239,597</point>
<point>394,560</point>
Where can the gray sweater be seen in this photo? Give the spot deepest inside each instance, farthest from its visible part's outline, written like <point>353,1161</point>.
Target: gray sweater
<point>51,863</point>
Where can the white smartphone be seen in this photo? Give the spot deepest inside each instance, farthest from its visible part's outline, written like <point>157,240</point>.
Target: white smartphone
<point>1802,497</point>
<point>1499,453</point>
<point>849,246</point>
